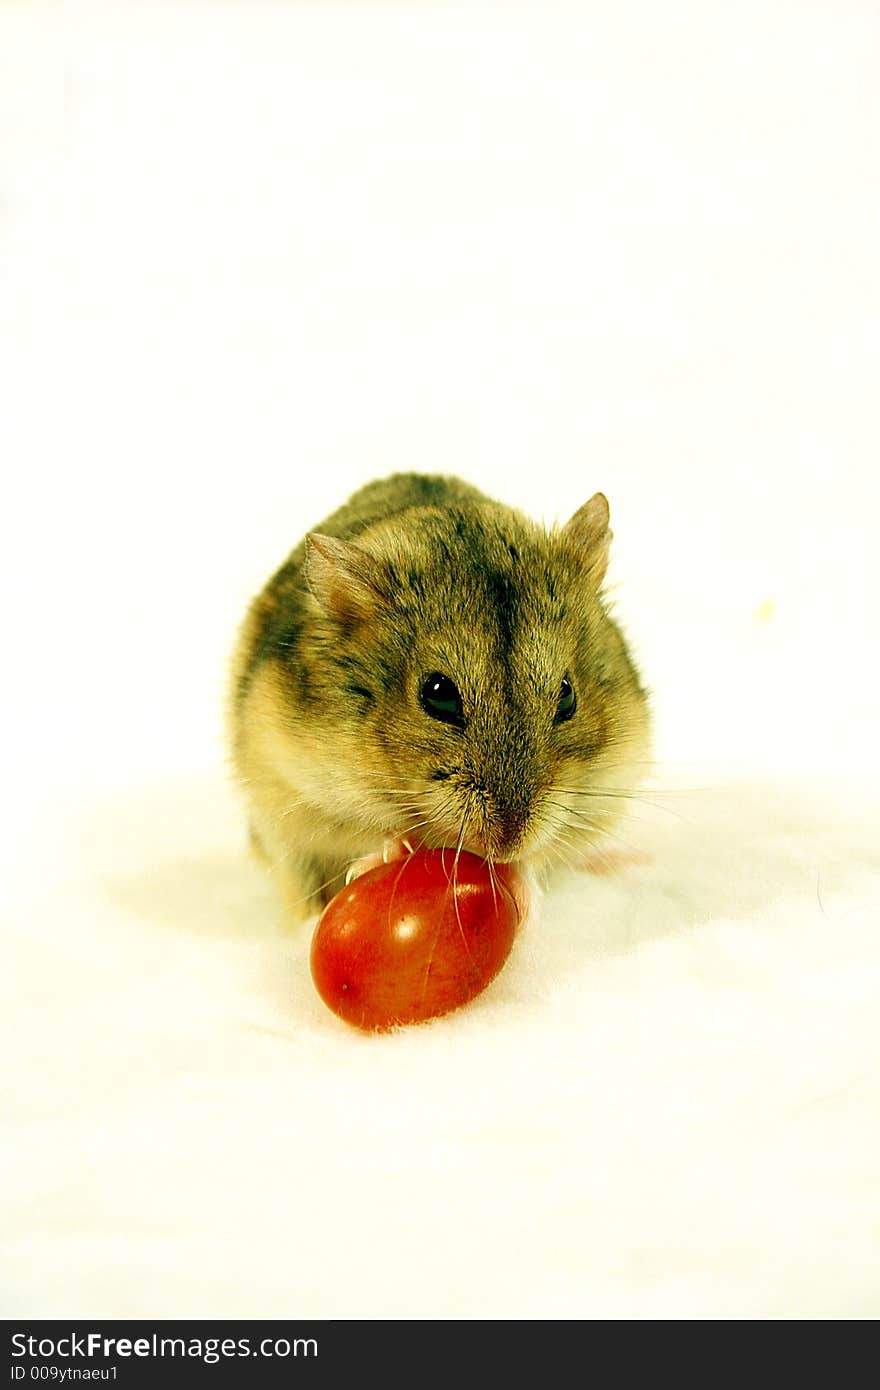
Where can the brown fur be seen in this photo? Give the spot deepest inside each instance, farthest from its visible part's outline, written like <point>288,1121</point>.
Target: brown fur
<point>417,574</point>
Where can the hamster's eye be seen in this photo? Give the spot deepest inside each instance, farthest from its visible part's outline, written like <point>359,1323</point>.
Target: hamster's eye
<point>567,703</point>
<point>440,698</point>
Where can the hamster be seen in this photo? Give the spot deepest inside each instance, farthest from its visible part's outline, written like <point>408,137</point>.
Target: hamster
<point>431,666</point>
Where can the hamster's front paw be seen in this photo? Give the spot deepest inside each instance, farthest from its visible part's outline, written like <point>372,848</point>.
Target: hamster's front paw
<point>391,849</point>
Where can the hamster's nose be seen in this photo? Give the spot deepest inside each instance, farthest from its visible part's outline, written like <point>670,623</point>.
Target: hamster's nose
<point>508,824</point>
<point>501,810</point>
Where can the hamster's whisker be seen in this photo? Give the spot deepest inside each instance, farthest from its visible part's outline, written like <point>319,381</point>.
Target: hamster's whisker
<point>567,856</point>
<point>559,846</point>
<point>562,829</point>
<point>320,888</point>
<point>601,820</point>
<point>455,882</point>
<point>596,789</point>
<point>416,824</point>
<point>654,797</point>
<point>595,849</point>
<point>596,831</point>
<point>573,852</point>
<point>618,793</point>
<point>437,815</point>
<point>493,881</point>
<point>307,897</point>
<point>633,799</point>
<point>458,849</point>
<point>443,848</point>
<point>399,791</point>
<point>577,813</point>
<point>559,842</point>
<point>659,764</point>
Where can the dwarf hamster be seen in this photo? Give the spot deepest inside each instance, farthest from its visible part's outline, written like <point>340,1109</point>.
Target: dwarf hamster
<point>432,666</point>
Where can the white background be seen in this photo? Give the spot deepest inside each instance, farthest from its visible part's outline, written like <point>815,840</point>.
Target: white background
<point>263,253</point>
<point>256,254</point>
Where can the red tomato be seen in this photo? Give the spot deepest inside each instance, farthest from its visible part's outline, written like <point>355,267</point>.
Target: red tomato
<point>408,941</point>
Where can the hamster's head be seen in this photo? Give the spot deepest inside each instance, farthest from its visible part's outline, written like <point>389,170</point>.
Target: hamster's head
<point>466,685</point>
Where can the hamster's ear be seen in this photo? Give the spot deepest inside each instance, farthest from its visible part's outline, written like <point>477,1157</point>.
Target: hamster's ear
<point>589,535</point>
<point>343,578</point>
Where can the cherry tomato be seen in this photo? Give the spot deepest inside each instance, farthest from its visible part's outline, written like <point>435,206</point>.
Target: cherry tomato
<point>411,940</point>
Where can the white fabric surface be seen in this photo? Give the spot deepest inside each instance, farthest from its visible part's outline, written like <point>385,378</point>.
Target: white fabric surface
<point>665,1105</point>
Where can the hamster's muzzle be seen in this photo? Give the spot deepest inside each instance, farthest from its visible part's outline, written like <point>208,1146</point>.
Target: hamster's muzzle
<point>499,822</point>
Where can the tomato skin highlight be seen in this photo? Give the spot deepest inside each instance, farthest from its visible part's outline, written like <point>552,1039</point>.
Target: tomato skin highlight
<point>404,944</point>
